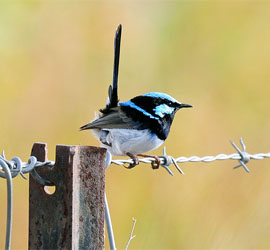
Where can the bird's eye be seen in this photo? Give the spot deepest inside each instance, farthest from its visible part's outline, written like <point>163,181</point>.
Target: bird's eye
<point>170,104</point>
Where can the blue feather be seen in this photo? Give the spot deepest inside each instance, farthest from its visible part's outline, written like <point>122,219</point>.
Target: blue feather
<point>163,109</point>
<point>133,105</point>
<point>161,95</point>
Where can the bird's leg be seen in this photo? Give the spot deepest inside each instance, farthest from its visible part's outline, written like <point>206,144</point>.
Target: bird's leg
<point>155,164</point>
<point>135,160</point>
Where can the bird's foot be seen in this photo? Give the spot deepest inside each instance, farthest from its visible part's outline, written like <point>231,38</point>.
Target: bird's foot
<point>155,164</point>
<point>135,161</point>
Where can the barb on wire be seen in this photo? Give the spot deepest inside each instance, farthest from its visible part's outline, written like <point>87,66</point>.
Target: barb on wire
<point>241,156</point>
<point>244,155</point>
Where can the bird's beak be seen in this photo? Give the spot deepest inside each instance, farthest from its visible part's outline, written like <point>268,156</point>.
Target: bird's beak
<point>182,105</point>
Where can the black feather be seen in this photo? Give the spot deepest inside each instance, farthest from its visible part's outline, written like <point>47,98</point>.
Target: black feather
<point>160,127</point>
<point>113,95</point>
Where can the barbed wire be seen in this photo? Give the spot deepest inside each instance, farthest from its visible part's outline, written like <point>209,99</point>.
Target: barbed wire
<point>17,166</point>
<point>241,156</point>
<point>11,168</point>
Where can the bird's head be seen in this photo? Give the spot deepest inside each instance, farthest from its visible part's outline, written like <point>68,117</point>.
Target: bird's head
<point>154,105</point>
<point>164,104</point>
<point>153,110</point>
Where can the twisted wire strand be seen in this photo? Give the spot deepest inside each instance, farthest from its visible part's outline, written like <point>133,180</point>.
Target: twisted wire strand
<point>183,159</point>
<point>242,157</point>
<point>17,167</point>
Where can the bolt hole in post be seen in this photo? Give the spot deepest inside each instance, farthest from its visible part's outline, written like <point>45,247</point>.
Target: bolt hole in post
<point>50,190</point>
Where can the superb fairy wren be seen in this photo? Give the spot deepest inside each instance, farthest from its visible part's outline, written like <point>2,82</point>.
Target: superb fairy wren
<point>136,126</point>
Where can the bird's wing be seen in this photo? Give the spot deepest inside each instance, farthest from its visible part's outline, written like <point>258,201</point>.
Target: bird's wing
<point>115,119</point>
<point>113,89</point>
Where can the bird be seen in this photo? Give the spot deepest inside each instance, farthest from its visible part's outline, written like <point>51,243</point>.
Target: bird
<point>137,126</point>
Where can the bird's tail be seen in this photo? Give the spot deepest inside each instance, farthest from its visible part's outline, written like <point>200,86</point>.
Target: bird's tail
<point>113,95</point>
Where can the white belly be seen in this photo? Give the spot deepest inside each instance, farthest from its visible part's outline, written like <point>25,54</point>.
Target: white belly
<point>132,141</point>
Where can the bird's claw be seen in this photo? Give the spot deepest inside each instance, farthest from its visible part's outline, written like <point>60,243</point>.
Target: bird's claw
<point>135,161</point>
<point>156,163</point>
<point>131,165</point>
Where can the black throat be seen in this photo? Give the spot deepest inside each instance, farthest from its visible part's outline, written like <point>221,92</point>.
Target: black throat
<point>160,127</point>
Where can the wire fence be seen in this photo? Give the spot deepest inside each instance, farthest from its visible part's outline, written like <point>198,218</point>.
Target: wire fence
<point>17,167</point>
<point>12,168</point>
<point>241,156</point>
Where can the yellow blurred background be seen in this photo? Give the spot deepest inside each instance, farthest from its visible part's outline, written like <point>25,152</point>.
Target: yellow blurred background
<point>55,68</point>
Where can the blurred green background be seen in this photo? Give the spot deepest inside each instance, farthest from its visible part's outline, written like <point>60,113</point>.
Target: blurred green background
<point>55,68</point>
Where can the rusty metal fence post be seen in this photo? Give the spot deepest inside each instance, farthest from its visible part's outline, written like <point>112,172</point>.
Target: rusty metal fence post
<point>73,216</point>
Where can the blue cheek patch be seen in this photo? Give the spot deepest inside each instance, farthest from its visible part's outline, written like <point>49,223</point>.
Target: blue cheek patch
<point>163,109</point>
<point>134,106</point>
